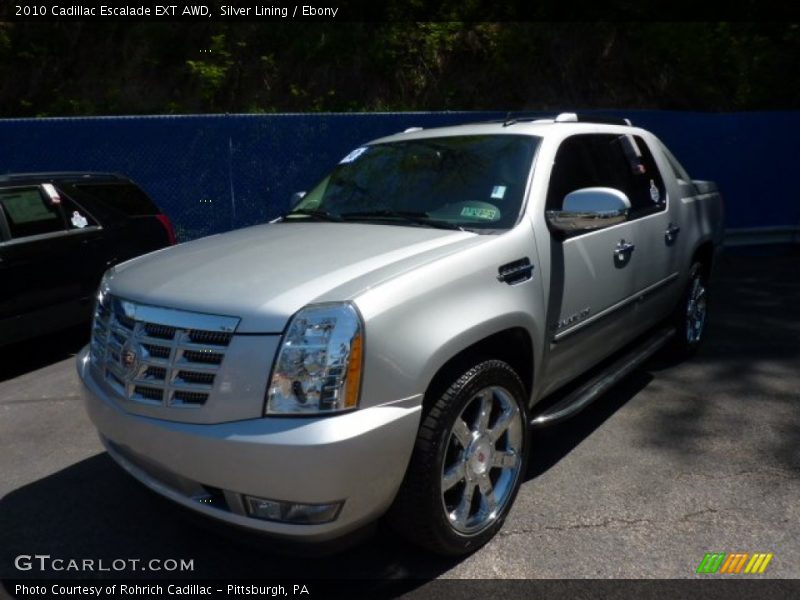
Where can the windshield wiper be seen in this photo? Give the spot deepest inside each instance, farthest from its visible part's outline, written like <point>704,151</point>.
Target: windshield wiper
<point>322,215</point>
<point>418,218</point>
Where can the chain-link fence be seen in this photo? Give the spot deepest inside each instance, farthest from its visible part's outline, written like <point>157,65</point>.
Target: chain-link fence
<point>212,173</point>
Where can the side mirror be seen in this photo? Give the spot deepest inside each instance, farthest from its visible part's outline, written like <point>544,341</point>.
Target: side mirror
<point>589,209</point>
<point>295,198</point>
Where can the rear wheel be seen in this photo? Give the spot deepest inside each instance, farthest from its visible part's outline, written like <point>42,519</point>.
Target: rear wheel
<point>691,316</point>
<point>468,462</point>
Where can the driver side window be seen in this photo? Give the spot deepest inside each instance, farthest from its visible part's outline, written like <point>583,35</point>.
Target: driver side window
<point>587,161</point>
<point>622,162</point>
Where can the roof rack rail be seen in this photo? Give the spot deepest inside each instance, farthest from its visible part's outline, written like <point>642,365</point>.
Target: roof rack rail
<point>45,175</point>
<point>579,118</point>
<point>512,118</point>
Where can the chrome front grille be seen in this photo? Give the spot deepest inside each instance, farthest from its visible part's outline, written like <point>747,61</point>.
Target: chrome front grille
<point>159,356</point>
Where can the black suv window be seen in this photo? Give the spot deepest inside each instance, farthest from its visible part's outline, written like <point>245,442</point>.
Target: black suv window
<point>622,162</point>
<point>124,198</point>
<point>28,212</point>
<point>76,216</point>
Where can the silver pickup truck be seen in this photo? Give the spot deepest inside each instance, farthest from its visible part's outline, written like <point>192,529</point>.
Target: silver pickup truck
<point>387,347</point>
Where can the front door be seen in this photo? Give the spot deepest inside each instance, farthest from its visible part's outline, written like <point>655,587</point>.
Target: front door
<point>594,279</point>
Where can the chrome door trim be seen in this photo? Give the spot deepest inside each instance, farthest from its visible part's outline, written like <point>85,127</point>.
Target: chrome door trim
<point>637,297</point>
<point>49,236</point>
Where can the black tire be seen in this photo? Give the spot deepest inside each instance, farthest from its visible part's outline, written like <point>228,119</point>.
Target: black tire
<point>689,334</point>
<point>421,512</point>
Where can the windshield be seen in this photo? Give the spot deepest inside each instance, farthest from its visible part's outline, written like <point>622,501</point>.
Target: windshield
<point>470,182</point>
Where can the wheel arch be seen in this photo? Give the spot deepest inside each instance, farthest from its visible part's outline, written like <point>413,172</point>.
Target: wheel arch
<point>704,254</point>
<point>513,345</point>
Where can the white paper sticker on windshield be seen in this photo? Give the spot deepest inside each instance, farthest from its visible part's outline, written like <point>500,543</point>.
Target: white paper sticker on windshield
<point>353,155</point>
<point>498,192</point>
<point>52,193</point>
<point>78,220</point>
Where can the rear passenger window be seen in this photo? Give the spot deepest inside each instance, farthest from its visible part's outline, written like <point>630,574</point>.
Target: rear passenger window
<point>28,212</point>
<point>122,197</point>
<point>646,189</point>
<point>622,162</point>
<point>77,217</point>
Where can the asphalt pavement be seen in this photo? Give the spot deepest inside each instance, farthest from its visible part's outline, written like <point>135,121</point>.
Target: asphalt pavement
<point>676,461</point>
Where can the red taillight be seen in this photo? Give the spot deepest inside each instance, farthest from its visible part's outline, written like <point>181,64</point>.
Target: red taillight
<point>164,220</point>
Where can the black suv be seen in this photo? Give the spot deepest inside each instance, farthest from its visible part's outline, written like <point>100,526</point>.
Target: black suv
<point>58,233</point>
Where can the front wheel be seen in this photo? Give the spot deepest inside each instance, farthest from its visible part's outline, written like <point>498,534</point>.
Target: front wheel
<point>468,462</point>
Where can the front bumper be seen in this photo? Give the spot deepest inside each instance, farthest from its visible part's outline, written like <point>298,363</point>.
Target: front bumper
<point>357,458</point>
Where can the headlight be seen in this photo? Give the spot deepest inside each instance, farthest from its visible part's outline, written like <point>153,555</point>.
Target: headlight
<point>319,363</point>
<point>100,319</point>
<point>103,288</point>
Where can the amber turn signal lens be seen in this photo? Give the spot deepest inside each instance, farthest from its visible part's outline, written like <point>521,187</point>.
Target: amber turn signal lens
<point>353,382</point>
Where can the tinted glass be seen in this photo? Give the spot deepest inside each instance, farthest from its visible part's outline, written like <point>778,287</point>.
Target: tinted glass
<point>646,189</point>
<point>586,161</point>
<point>28,213</point>
<point>77,217</point>
<point>477,182</point>
<point>122,197</point>
<point>622,162</point>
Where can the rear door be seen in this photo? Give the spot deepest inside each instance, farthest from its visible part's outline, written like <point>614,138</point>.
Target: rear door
<point>655,211</point>
<point>593,283</point>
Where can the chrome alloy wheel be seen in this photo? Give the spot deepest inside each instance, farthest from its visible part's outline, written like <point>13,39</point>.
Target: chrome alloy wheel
<point>482,461</point>
<point>696,311</point>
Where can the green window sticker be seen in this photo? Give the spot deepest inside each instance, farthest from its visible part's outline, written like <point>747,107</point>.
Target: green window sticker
<point>488,214</point>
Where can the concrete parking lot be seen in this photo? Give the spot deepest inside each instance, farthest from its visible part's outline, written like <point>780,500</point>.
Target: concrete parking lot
<point>677,461</point>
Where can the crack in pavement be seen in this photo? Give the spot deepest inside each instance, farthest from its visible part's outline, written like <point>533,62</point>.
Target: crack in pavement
<point>604,523</point>
<point>767,472</point>
<point>686,518</point>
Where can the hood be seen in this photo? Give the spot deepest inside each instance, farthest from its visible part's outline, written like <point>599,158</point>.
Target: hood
<point>265,274</point>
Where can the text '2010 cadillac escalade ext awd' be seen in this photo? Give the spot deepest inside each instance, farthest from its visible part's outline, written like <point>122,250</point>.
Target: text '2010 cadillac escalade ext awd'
<point>387,346</point>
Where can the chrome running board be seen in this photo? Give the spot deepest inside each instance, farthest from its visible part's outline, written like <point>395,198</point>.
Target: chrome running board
<point>576,401</point>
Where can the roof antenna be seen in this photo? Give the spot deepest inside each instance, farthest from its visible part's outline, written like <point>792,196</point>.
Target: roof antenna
<point>509,120</point>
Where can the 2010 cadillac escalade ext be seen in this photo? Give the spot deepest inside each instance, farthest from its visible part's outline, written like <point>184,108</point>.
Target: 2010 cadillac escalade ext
<point>384,347</point>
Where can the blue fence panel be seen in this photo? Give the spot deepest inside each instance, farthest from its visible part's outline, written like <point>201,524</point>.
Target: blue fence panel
<point>212,173</point>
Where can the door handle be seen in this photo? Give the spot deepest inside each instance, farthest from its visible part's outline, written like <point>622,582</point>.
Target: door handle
<point>671,233</point>
<point>623,250</point>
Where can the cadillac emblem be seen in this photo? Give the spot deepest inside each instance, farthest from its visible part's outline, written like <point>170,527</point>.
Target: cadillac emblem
<point>129,357</point>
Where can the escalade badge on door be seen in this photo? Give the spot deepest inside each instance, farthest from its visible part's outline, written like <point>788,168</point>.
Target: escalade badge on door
<point>573,319</point>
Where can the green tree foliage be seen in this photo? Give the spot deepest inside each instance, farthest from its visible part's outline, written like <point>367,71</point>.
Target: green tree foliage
<point>123,68</point>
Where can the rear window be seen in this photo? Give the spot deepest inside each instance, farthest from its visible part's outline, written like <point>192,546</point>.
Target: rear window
<point>121,197</point>
<point>28,213</point>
